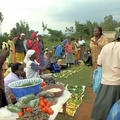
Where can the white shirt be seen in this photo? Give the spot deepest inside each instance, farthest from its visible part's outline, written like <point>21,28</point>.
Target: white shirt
<point>32,71</point>
<point>109,58</point>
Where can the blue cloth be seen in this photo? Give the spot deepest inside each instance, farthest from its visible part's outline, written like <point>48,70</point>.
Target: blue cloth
<point>54,68</point>
<point>115,112</point>
<point>65,42</point>
<point>42,60</point>
<point>59,52</point>
<point>97,77</point>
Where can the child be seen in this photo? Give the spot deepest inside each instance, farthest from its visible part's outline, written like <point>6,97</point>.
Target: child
<point>69,53</point>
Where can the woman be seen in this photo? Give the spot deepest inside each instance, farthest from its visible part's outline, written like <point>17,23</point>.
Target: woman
<point>33,44</point>
<point>77,50</point>
<point>32,66</point>
<point>69,53</point>
<point>96,44</point>
<point>10,43</point>
<point>109,91</point>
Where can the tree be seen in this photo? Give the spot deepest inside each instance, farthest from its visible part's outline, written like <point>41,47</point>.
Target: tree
<point>109,23</point>
<point>1,17</point>
<point>22,27</point>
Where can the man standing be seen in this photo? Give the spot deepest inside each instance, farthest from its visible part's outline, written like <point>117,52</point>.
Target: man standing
<point>41,48</point>
<point>19,46</point>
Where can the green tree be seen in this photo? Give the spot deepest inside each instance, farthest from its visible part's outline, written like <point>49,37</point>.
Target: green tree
<point>22,27</point>
<point>109,23</point>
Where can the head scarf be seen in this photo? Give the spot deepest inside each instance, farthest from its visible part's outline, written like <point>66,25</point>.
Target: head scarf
<point>38,34</point>
<point>117,35</point>
<point>22,34</point>
<point>33,35</point>
<point>28,55</point>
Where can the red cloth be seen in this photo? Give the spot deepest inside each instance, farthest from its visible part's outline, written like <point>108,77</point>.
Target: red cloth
<point>36,48</point>
<point>34,35</point>
<point>69,48</point>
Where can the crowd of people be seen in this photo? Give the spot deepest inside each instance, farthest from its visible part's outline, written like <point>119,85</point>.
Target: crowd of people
<point>29,59</point>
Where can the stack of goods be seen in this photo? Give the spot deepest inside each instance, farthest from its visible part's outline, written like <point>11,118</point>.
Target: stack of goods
<point>76,98</point>
<point>65,74</point>
<point>33,107</point>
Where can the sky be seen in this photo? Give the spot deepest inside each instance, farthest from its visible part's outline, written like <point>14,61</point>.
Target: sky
<point>57,14</point>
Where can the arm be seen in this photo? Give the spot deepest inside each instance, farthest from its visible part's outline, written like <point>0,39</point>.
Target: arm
<point>3,56</point>
<point>99,61</point>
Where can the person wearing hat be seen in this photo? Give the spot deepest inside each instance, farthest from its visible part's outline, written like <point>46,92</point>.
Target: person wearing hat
<point>32,66</point>
<point>19,48</point>
<point>33,44</point>
<point>109,92</point>
<point>10,43</point>
<point>41,48</point>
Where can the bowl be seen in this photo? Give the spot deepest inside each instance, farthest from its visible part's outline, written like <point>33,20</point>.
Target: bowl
<point>56,94</point>
<point>25,87</point>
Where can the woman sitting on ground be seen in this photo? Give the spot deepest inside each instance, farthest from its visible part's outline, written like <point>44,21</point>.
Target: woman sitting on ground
<point>33,68</point>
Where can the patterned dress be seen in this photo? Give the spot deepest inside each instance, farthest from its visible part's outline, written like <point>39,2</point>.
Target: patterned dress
<point>96,49</point>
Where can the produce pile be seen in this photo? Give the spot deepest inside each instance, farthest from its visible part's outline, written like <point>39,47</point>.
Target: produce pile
<point>33,107</point>
<point>66,73</point>
<point>76,98</point>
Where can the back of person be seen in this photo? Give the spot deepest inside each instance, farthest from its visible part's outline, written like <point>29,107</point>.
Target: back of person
<point>109,58</point>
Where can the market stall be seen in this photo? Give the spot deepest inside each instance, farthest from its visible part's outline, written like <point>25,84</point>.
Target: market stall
<point>5,114</point>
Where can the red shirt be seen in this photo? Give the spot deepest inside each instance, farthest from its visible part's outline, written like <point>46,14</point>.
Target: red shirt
<point>69,48</point>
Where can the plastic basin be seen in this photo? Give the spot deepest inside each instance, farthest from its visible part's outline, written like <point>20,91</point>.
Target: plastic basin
<point>19,91</point>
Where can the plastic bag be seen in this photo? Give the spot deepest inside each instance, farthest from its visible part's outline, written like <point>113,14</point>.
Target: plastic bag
<point>26,99</point>
<point>97,77</point>
<point>114,113</point>
<point>34,103</point>
<point>13,108</point>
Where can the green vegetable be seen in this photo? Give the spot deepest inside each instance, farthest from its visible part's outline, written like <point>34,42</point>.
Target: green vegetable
<point>26,99</point>
<point>34,103</point>
<point>13,108</point>
<point>28,84</point>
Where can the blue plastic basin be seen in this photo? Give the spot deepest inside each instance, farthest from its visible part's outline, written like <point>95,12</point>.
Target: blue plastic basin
<point>23,91</point>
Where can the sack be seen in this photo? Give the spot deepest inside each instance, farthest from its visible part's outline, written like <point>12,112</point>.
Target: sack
<point>97,77</point>
<point>114,113</point>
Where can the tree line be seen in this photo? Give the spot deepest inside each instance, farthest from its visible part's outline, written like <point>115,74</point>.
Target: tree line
<point>79,30</point>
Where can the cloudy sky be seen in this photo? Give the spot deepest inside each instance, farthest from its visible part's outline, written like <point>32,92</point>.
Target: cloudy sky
<point>56,13</point>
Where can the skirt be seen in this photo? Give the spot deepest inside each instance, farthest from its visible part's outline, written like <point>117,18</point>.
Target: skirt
<point>20,57</point>
<point>105,99</point>
<point>69,58</point>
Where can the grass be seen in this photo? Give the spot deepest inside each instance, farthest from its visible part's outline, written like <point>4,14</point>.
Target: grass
<point>81,78</point>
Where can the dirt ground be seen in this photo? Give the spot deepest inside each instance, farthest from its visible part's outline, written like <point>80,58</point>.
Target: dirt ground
<point>85,109</point>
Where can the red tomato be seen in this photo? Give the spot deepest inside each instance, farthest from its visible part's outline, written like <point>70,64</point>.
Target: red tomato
<point>45,101</point>
<point>41,98</point>
<point>21,114</point>
<point>40,106</point>
<point>49,104</point>
<point>28,109</point>
<point>45,109</point>
<point>50,111</point>
<point>25,110</point>
<point>43,84</point>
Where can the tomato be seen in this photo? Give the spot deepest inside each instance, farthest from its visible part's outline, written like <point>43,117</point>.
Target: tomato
<point>45,109</point>
<point>45,101</point>
<point>43,84</point>
<point>50,111</point>
<point>49,104</point>
<point>21,114</point>
<point>25,110</point>
<point>28,109</point>
<point>42,104</point>
<point>41,98</point>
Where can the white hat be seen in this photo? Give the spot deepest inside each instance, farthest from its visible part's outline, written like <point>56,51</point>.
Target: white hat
<point>28,55</point>
<point>22,34</point>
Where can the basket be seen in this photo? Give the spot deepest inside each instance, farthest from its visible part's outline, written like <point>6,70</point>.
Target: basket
<point>19,91</point>
<point>56,94</point>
